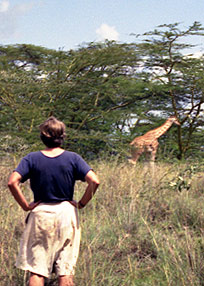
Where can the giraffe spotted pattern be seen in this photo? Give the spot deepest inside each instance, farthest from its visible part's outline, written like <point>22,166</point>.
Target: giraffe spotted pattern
<point>148,143</point>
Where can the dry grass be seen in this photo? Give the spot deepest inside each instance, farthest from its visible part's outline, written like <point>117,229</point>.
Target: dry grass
<point>137,231</point>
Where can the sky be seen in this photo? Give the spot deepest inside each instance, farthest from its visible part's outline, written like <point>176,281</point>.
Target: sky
<point>67,24</point>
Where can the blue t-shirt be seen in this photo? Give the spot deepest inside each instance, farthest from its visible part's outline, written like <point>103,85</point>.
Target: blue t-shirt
<point>52,179</point>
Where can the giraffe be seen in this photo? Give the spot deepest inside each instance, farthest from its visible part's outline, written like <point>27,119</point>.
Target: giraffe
<point>148,142</point>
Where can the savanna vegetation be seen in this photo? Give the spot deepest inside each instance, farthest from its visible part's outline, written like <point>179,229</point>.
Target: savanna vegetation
<point>106,93</point>
<point>142,228</point>
<point>136,232</point>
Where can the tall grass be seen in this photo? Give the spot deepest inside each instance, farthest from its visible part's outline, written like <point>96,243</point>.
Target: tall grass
<point>137,231</point>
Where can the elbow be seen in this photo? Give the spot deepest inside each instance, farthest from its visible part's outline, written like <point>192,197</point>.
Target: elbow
<point>92,179</point>
<point>10,184</point>
<point>96,182</point>
<point>13,181</point>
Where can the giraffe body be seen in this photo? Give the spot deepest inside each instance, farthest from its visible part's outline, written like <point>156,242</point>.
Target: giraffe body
<point>148,143</point>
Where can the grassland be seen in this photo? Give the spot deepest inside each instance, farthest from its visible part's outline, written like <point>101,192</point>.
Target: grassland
<point>139,230</point>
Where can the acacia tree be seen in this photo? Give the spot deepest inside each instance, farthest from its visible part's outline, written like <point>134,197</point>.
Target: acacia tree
<point>179,77</point>
<point>99,88</point>
<point>21,90</point>
<point>85,88</point>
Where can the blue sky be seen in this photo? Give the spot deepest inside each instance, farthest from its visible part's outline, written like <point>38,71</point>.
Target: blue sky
<point>69,23</point>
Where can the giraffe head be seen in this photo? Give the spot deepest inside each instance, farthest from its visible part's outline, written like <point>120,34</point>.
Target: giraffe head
<point>174,119</point>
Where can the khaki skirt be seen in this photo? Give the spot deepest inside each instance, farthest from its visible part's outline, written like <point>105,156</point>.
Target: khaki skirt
<point>51,240</point>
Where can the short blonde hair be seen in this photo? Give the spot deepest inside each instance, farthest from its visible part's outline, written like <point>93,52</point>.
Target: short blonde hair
<point>52,132</point>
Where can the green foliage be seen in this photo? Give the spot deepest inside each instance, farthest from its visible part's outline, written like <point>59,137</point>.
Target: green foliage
<point>106,93</point>
<point>84,88</point>
<point>180,76</point>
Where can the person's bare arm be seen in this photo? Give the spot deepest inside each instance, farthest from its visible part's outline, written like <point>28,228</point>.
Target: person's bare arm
<point>14,186</point>
<point>93,183</point>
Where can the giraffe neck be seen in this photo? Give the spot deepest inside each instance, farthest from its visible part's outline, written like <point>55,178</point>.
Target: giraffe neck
<point>163,128</point>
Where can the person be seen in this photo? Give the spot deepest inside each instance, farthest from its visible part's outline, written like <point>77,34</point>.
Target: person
<point>50,241</point>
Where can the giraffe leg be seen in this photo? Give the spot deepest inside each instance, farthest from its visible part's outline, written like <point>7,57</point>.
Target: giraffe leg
<point>153,156</point>
<point>152,150</point>
<point>153,153</point>
<point>152,160</point>
<point>134,159</point>
<point>136,153</point>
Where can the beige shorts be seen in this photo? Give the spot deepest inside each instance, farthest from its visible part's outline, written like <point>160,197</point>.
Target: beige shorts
<point>51,239</point>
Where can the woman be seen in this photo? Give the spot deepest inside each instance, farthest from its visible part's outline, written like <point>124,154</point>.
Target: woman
<point>50,241</point>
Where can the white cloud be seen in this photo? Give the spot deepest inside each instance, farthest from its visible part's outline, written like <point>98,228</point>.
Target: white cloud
<point>106,32</point>
<point>4,6</point>
<point>10,17</point>
<point>24,7</point>
<point>196,55</point>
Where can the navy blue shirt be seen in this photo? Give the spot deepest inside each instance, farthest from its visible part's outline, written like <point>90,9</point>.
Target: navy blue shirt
<point>52,179</point>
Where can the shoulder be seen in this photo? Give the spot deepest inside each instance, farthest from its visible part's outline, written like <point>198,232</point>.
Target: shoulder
<point>32,155</point>
<point>80,166</point>
<point>72,155</point>
<point>25,165</point>
<point>76,159</point>
<point>30,158</point>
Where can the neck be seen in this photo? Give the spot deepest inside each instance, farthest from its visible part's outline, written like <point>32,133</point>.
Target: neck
<point>52,149</point>
<point>52,152</point>
<point>163,128</point>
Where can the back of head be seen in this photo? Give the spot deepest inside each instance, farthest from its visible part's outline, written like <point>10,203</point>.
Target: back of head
<point>52,132</point>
